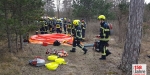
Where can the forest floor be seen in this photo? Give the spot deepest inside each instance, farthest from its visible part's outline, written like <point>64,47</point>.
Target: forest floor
<point>78,63</point>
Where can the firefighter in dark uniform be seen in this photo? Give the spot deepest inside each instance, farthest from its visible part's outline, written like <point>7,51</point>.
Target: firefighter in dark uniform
<point>42,29</point>
<point>53,25</point>
<point>50,25</point>
<point>65,25</point>
<point>46,26</point>
<point>104,37</point>
<point>83,26</point>
<point>58,26</point>
<point>77,34</point>
<point>69,27</point>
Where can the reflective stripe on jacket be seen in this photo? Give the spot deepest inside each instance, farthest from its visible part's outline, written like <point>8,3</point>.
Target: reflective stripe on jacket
<point>104,34</point>
<point>77,32</point>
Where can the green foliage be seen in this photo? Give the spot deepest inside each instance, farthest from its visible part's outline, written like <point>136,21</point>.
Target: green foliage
<point>33,27</point>
<point>148,6</point>
<point>17,18</point>
<point>124,8</point>
<point>146,12</point>
<point>49,7</point>
<point>19,13</point>
<point>91,8</point>
<point>51,12</point>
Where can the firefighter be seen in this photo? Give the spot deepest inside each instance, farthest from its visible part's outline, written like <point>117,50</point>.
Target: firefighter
<point>104,37</point>
<point>54,23</point>
<point>83,26</point>
<point>69,27</point>
<point>77,34</point>
<point>65,25</point>
<point>42,29</point>
<point>58,26</point>
<point>50,25</point>
<point>46,26</point>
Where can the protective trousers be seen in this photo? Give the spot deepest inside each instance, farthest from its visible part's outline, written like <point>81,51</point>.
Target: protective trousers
<point>69,31</point>
<point>42,30</point>
<point>46,28</point>
<point>83,34</point>
<point>58,30</point>
<point>65,28</point>
<point>103,49</point>
<point>50,28</point>
<point>77,42</point>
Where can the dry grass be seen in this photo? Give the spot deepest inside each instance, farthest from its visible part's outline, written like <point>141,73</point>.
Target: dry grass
<point>92,30</point>
<point>78,64</point>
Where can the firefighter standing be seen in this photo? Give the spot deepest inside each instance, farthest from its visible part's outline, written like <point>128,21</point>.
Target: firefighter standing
<point>54,23</point>
<point>42,29</point>
<point>69,27</point>
<point>46,26</point>
<point>50,24</point>
<point>58,26</point>
<point>83,26</point>
<point>65,25</point>
<point>77,34</point>
<point>104,37</point>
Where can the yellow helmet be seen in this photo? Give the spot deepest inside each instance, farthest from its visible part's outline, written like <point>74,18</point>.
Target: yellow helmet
<point>50,18</point>
<point>101,17</point>
<point>76,22</point>
<point>58,20</point>
<point>65,19</point>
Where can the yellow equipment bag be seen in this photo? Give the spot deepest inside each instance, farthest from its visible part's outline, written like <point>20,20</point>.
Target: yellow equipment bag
<point>52,66</point>
<point>60,61</point>
<point>52,57</point>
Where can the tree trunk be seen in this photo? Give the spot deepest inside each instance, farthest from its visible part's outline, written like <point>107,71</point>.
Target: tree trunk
<point>21,42</point>
<point>7,27</point>
<point>122,20</point>
<point>21,37</point>
<point>9,39</point>
<point>58,8</point>
<point>119,31</point>
<point>16,40</point>
<point>133,39</point>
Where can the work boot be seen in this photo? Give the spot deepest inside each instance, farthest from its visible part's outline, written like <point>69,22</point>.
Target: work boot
<point>83,39</point>
<point>103,57</point>
<point>73,50</point>
<point>97,50</point>
<point>108,52</point>
<point>85,50</point>
<point>148,56</point>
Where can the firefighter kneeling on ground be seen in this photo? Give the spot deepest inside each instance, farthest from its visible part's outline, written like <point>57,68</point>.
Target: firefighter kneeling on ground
<point>58,26</point>
<point>104,37</point>
<point>77,34</point>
